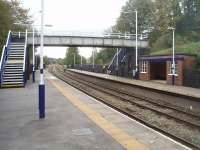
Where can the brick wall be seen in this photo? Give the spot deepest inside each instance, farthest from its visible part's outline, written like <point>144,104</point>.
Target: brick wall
<point>179,77</point>
<point>144,76</point>
<point>188,62</point>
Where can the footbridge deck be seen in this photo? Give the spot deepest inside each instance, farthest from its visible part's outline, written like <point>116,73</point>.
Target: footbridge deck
<point>89,40</point>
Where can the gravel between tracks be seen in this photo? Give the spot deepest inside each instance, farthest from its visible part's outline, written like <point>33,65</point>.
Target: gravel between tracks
<point>176,128</point>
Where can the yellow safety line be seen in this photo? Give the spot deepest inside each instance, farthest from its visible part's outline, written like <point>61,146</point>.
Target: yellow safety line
<point>120,136</point>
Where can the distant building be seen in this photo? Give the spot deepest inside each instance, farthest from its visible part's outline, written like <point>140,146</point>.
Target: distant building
<point>160,67</point>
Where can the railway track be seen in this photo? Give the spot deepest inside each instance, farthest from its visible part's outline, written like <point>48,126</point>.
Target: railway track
<point>179,124</point>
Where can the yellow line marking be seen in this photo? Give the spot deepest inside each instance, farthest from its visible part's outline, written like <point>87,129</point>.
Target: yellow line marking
<point>120,136</point>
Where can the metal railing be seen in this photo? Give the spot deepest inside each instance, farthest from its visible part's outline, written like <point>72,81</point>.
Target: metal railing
<point>4,55</point>
<point>24,63</point>
<point>127,36</point>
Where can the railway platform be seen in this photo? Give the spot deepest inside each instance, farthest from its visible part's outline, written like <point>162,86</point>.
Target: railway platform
<point>73,121</point>
<point>180,90</point>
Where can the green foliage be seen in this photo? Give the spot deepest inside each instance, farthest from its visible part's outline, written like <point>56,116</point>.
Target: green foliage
<point>60,61</point>
<point>126,21</point>
<point>5,21</point>
<point>164,41</point>
<point>72,54</point>
<point>11,13</point>
<point>104,56</point>
<point>191,48</point>
<point>46,60</point>
<point>184,15</point>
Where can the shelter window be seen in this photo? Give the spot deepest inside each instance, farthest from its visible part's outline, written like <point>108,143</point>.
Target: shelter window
<point>144,67</point>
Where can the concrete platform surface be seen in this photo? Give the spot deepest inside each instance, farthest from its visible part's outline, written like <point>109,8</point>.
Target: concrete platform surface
<point>65,127</point>
<point>188,91</point>
<point>74,121</point>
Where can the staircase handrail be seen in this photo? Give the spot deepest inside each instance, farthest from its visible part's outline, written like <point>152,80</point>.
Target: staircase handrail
<point>4,50</point>
<point>115,57</point>
<point>25,44</point>
<point>3,55</point>
<point>8,38</point>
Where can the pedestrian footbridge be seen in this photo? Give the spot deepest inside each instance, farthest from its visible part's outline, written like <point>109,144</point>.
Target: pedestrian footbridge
<point>89,40</point>
<point>15,61</point>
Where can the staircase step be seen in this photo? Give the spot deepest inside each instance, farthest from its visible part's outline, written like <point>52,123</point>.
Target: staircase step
<point>12,75</point>
<point>14,54</point>
<point>11,56</point>
<point>16,51</point>
<point>15,61</point>
<point>17,48</point>
<point>14,72</point>
<point>12,84</point>
<point>15,58</point>
<point>17,43</point>
<point>14,66</point>
<point>17,55</point>
<point>13,80</point>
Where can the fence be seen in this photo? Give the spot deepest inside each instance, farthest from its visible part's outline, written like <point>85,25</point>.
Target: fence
<point>88,67</point>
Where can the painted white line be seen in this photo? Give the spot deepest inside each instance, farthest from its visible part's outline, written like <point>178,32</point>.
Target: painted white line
<point>176,142</point>
<point>166,137</point>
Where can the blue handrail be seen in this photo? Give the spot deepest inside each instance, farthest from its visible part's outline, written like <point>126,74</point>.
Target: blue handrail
<point>121,54</point>
<point>25,53</point>
<point>4,55</point>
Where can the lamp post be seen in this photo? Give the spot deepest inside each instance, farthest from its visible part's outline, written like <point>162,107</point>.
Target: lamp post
<point>136,38</point>
<point>173,67</point>
<point>136,41</point>
<point>33,55</point>
<point>81,62</point>
<point>33,30</point>
<point>41,84</point>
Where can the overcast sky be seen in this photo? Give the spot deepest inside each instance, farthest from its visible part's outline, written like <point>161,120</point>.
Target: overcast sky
<point>75,15</point>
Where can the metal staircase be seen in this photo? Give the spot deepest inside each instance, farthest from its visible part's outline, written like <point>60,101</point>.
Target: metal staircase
<point>120,57</point>
<point>13,61</point>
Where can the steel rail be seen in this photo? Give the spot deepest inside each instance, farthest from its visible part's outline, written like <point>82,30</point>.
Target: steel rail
<point>181,140</point>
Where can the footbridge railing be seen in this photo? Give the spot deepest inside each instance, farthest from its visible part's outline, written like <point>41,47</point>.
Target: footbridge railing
<point>4,56</point>
<point>92,34</point>
<point>89,39</point>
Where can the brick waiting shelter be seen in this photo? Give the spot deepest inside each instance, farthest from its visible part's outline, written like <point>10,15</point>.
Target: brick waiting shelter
<point>160,67</point>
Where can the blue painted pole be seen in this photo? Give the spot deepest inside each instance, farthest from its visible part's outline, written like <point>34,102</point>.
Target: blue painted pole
<point>33,54</point>
<point>42,85</point>
<point>41,101</point>
<point>33,74</point>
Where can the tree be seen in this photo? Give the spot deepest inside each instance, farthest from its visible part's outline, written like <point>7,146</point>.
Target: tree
<point>104,56</point>
<point>46,61</point>
<point>126,21</point>
<point>71,54</point>
<point>11,12</point>
<point>184,15</point>
<point>5,21</point>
